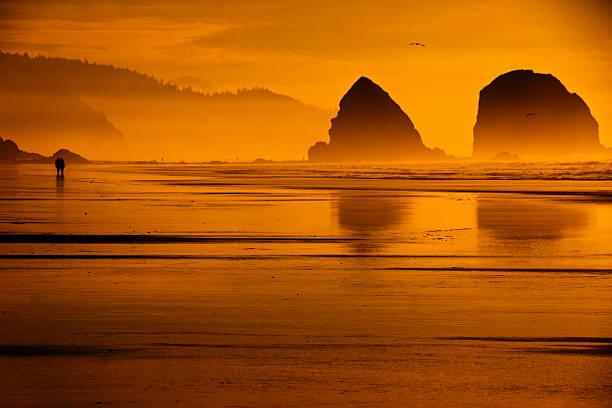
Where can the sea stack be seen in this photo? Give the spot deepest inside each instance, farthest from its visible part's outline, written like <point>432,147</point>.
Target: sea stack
<point>370,126</point>
<point>534,116</point>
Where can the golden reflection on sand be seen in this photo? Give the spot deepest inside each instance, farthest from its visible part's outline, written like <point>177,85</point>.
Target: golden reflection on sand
<point>297,286</point>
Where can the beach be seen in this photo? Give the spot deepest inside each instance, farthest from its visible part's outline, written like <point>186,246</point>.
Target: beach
<point>294,285</point>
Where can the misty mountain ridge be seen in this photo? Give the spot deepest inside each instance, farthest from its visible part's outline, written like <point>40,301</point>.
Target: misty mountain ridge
<point>117,113</point>
<point>24,74</point>
<point>42,121</point>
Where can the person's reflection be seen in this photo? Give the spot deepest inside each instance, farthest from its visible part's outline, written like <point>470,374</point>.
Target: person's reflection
<point>367,216</point>
<point>528,218</point>
<point>59,187</point>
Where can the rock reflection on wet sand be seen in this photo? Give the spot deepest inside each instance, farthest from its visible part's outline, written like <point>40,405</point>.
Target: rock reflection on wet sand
<point>529,218</point>
<point>294,285</point>
<point>367,215</point>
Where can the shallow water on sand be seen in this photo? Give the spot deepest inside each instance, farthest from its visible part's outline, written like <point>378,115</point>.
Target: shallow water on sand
<point>300,285</point>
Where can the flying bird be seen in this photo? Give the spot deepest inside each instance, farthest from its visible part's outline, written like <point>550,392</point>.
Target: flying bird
<point>530,114</point>
<point>417,44</point>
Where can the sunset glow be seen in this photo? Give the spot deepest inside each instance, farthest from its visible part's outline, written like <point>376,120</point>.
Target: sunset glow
<point>314,50</point>
<point>306,203</point>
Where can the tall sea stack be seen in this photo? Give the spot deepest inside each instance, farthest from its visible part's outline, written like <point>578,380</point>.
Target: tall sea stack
<point>533,116</point>
<point>370,126</point>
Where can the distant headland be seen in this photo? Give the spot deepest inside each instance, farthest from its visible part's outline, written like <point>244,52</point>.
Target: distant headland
<point>10,153</point>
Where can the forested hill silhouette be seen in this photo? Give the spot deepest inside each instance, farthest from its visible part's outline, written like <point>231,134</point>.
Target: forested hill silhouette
<point>370,126</point>
<point>155,117</point>
<point>25,74</point>
<point>22,73</point>
<point>534,116</point>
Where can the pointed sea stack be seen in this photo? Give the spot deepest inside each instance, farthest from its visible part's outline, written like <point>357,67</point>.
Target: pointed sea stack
<point>534,116</point>
<point>370,126</point>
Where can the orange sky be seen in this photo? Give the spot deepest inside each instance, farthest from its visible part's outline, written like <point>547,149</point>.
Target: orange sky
<point>314,50</point>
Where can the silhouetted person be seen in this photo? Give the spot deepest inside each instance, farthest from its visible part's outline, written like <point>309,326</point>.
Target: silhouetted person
<point>59,165</point>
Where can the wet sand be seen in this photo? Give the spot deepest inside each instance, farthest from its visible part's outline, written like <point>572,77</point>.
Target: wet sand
<point>298,285</point>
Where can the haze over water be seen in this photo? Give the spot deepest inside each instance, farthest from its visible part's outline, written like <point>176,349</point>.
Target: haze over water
<point>306,285</point>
